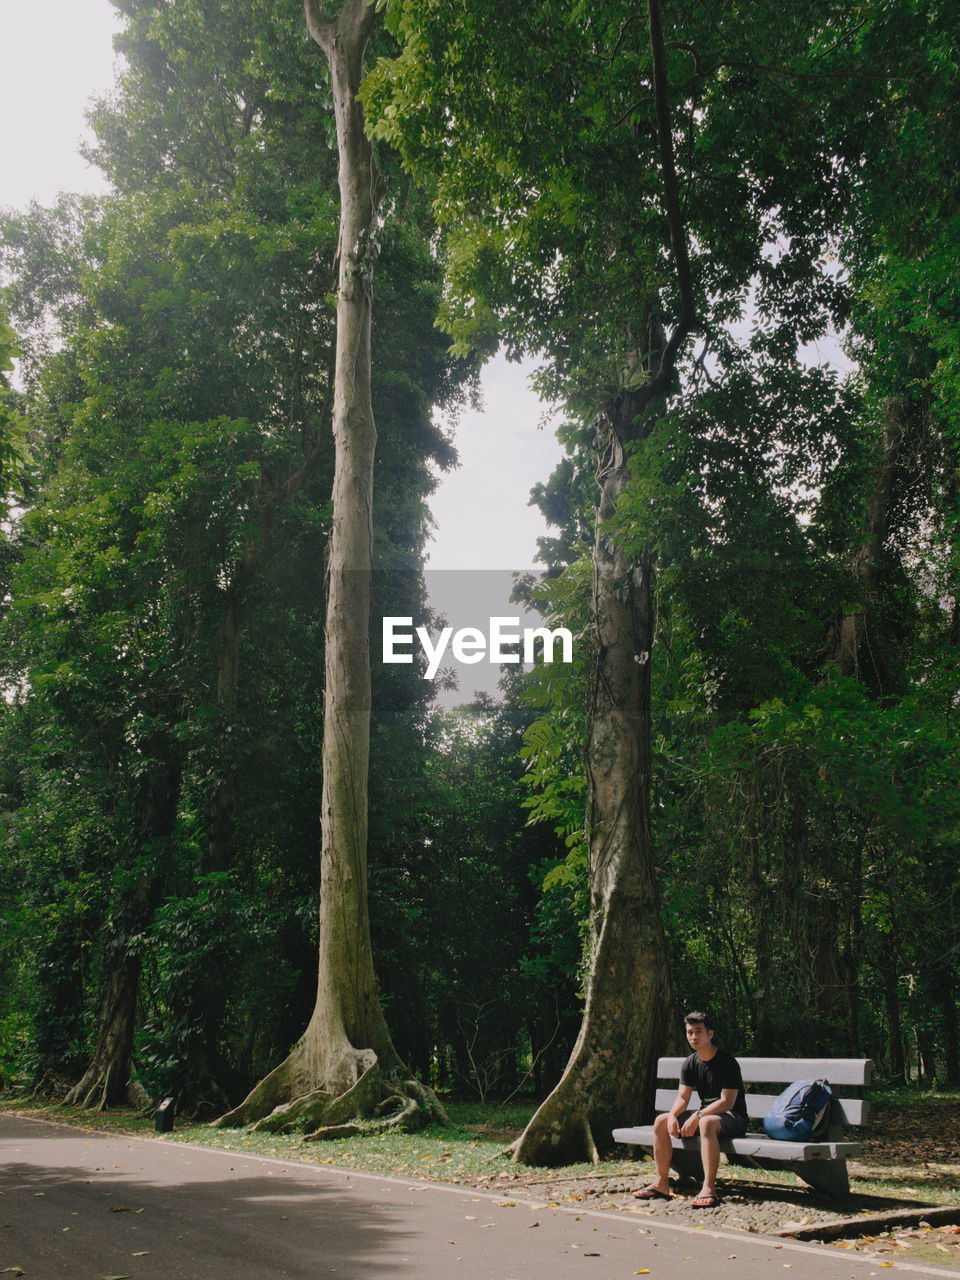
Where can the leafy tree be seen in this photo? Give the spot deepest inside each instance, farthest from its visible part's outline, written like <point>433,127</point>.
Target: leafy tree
<point>582,229</point>
<point>181,497</point>
<point>345,1064</point>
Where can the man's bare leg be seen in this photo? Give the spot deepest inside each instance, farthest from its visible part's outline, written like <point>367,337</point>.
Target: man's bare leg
<point>710,1155</point>
<point>662,1151</point>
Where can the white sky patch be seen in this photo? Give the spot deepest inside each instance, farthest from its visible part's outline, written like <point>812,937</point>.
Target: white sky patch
<point>482,511</point>
<point>57,56</point>
<point>54,57</point>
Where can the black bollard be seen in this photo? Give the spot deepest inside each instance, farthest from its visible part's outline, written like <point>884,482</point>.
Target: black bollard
<point>163,1118</point>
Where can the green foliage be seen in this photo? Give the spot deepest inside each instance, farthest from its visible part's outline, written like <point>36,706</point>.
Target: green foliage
<point>163,642</point>
<point>786,504</point>
<point>166,475</point>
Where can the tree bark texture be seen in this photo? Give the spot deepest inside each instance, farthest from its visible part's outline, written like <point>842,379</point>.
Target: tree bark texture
<point>852,651</point>
<point>106,1081</point>
<point>345,1063</point>
<point>629,1009</point>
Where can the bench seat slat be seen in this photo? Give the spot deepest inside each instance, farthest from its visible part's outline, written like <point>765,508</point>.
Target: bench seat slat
<point>786,1070</point>
<point>751,1144</point>
<point>851,1111</point>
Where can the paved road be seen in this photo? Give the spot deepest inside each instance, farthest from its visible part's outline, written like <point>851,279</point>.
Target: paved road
<point>76,1205</point>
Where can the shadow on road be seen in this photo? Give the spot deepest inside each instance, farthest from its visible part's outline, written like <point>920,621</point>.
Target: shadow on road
<point>73,1212</point>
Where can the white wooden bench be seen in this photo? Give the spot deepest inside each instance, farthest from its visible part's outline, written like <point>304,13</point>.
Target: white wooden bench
<point>822,1165</point>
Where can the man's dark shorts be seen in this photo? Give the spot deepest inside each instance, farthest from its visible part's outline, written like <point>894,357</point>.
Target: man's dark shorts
<point>731,1124</point>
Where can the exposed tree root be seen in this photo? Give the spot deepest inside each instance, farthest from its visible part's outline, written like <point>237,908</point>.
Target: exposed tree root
<point>107,1087</point>
<point>410,1116</point>
<point>589,1143</point>
<point>559,1133</point>
<point>374,1096</point>
<point>329,1132</point>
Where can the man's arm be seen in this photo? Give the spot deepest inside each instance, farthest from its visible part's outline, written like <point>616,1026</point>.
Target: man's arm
<point>724,1103</point>
<point>680,1104</point>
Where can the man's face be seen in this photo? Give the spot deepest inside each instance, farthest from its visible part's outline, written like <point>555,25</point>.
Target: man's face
<point>698,1037</point>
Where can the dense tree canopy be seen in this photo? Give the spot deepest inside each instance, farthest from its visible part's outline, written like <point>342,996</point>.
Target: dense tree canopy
<point>728,235</point>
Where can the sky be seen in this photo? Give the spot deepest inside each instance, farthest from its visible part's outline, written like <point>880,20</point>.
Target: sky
<point>54,58</point>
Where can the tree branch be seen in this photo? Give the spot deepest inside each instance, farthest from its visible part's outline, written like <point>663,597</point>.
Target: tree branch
<point>671,190</point>
<point>321,29</point>
<point>778,72</point>
<point>357,17</point>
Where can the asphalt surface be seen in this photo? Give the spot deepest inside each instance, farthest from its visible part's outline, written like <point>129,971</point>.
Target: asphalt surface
<point>79,1205</point>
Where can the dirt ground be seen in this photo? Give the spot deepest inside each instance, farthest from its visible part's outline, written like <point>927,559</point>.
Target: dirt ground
<point>910,1163</point>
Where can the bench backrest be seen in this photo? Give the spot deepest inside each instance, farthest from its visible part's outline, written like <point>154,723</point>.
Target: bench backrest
<point>854,1072</point>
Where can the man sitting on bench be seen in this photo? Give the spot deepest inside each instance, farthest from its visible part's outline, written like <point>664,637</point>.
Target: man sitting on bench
<point>722,1113</point>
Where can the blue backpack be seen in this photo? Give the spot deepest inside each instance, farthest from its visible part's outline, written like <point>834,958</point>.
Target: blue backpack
<point>801,1112</point>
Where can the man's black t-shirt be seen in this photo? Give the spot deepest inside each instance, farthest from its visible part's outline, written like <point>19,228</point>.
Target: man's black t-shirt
<point>709,1078</point>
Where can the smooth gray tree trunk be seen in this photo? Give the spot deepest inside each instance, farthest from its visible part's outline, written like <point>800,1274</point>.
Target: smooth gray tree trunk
<point>345,1063</point>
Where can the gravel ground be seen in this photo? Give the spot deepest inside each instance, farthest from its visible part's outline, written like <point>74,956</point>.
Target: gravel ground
<point>747,1204</point>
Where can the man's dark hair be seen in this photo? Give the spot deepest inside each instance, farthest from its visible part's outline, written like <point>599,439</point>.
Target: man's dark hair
<point>700,1015</point>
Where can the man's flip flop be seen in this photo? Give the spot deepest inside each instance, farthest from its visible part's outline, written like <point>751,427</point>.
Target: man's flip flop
<point>651,1193</point>
<point>705,1202</point>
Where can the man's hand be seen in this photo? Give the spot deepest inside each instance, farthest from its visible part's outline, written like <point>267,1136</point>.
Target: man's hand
<point>690,1126</point>
<point>673,1126</point>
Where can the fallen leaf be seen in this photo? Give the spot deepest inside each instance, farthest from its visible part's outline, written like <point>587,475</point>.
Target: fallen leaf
<point>644,1271</point>
<point>119,1208</point>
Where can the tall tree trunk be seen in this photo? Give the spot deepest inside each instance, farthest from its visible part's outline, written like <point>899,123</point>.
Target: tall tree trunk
<point>946,989</point>
<point>629,1009</point>
<point>764,931</point>
<point>345,1063</point>
<point>852,651</point>
<point>58,1019</point>
<point>891,1000</point>
<point>198,1000</point>
<point>220,851</point>
<point>107,1079</point>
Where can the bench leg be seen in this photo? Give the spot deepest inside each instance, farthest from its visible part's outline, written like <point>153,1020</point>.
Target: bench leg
<point>824,1175</point>
<point>687,1164</point>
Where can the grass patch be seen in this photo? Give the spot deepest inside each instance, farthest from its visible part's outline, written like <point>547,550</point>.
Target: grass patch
<point>909,1151</point>
<point>468,1151</point>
